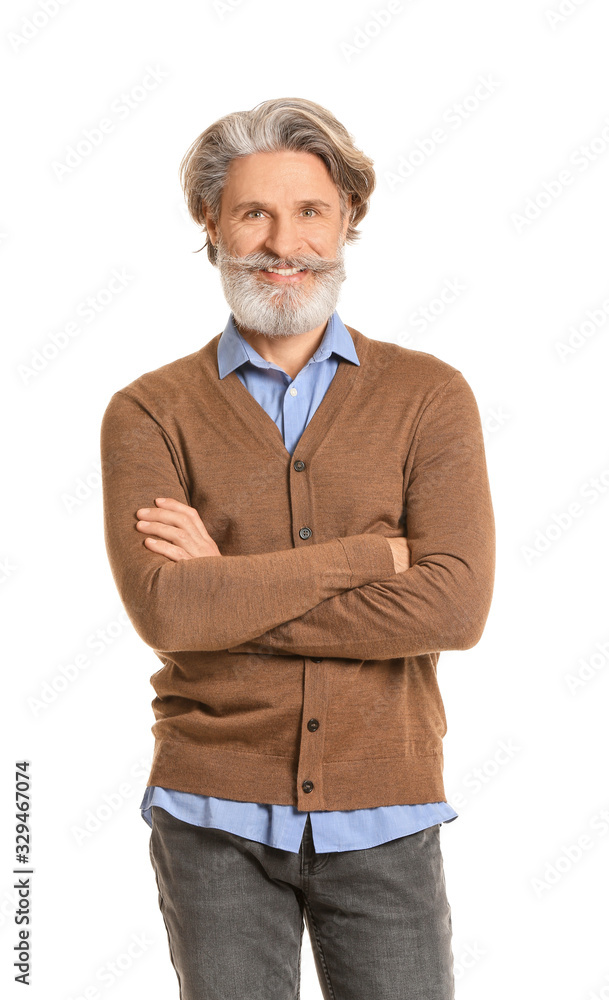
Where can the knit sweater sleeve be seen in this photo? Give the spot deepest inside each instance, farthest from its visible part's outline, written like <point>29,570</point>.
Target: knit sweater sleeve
<point>208,602</point>
<point>442,601</point>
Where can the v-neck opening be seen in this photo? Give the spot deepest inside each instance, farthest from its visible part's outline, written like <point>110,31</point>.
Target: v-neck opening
<point>265,427</point>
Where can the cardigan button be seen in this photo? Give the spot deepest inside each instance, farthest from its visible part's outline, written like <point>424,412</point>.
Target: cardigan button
<point>299,466</point>
<point>305,532</point>
<point>307,786</point>
<point>313,725</point>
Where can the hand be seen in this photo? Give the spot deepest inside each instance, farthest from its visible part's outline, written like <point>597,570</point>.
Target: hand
<point>401,554</point>
<point>181,532</point>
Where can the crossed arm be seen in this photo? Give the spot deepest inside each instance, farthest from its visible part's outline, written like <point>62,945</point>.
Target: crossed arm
<point>337,599</point>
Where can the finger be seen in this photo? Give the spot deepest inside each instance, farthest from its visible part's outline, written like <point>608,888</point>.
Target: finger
<point>172,518</point>
<point>169,504</point>
<point>170,532</point>
<point>173,552</point>
<point>172,503</point>
<point>174,527</point>
<point>173,512</point>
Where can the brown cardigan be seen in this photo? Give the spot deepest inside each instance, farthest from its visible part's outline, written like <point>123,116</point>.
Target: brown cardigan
<point>298,667</point>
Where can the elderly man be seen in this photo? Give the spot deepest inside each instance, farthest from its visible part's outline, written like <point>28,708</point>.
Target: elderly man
<point>298,520</point>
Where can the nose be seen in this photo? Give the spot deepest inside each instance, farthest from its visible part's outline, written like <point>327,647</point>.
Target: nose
<point>283,238</point>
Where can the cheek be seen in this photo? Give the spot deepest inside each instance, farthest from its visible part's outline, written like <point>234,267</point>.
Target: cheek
<point>327,241</point>
<point>242,240</point>
<point>321,244</point>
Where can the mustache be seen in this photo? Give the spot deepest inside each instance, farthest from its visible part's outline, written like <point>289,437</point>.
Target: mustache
<point>261,261</point>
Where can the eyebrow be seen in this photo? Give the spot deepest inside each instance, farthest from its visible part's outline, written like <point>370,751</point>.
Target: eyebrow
<point>312,202</point>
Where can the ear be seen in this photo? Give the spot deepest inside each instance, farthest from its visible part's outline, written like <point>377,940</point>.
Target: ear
<point>347,218</point>
<point>210,225</point>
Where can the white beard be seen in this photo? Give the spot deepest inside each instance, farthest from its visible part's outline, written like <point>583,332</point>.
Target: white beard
<point>280,310</point>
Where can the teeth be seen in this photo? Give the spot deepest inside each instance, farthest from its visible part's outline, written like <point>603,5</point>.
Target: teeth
<point>285,270</point>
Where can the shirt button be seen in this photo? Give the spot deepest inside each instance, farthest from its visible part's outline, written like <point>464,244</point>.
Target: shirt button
<point>293,391</point>
<point>299,466</point>
<point>305,532</point>
<point>312,725</point>
<point>307,786</point>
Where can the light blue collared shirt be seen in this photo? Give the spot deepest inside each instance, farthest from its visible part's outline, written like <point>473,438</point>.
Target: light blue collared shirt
<point>291,403</point>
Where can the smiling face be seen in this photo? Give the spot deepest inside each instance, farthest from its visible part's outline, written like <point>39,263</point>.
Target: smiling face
<point>280,210</point>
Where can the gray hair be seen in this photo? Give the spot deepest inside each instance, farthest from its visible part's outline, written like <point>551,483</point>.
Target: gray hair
<point>285,123</point>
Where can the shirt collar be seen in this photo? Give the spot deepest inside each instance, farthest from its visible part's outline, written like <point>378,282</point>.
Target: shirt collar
<point>234,350</point>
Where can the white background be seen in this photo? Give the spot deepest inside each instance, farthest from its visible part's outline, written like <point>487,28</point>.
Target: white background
<point>527,921</point>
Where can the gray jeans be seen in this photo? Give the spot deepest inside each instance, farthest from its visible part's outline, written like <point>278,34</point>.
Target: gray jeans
<point>234,909</point>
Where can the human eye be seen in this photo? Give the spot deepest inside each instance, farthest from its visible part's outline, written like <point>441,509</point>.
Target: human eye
<point>253,212</point>
<point>310,210</point>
